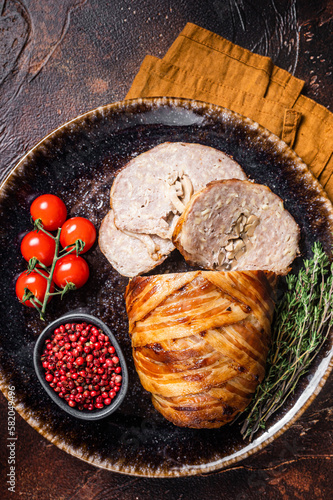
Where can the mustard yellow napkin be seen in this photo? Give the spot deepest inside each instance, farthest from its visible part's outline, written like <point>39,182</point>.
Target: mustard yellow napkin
<point>204,66</point>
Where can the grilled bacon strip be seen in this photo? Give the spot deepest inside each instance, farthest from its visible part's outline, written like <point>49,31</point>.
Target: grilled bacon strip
<point>200,341</point>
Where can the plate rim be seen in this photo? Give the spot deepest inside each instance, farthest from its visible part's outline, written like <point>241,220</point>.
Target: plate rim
<point>222,463</point>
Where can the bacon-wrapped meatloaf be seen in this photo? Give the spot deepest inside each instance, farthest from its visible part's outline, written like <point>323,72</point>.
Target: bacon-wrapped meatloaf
<point>200,341</point>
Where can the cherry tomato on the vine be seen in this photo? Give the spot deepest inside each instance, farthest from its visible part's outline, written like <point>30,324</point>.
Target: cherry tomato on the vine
<point>71,268</point>
<point>40,245</point>
<point>36,284</point>
<point>50,209</point>
<point>78,228</point>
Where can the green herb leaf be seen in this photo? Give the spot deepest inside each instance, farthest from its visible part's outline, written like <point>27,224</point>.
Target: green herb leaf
<point>302,323</point>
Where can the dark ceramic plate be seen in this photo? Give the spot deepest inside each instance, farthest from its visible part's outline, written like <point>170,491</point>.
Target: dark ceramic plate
<point>78,162</point>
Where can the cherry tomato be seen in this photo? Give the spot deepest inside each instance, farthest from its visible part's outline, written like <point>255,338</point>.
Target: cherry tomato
<point>50,209</point>
<point>78,228</point>
<point>71,268</point>
<point>39,245</point>
<point>36,284</point>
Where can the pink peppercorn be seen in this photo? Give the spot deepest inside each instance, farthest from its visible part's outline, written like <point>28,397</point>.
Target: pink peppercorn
<point>75,355</point>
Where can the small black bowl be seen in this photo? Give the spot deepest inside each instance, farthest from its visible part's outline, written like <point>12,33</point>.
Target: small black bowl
<point>82,414</point>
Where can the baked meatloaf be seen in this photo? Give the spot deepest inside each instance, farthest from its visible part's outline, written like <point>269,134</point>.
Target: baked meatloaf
<point>151,191</point>
<point>237,225</point>
<point>131,254</point>
<point>200,341</point>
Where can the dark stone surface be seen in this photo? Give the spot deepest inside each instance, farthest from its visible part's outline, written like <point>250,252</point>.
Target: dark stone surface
<point>60,59</point>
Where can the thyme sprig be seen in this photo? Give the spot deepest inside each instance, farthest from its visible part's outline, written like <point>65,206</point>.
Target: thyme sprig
<point>35,265</point>
<point>302,323</point>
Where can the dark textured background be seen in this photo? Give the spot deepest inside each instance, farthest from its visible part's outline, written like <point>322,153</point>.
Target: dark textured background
<point>60,59</point>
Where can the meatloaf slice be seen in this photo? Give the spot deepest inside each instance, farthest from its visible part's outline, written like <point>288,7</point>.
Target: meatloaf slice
<point>238,225</point>
<point>131,254</point>
<point>151,191</point>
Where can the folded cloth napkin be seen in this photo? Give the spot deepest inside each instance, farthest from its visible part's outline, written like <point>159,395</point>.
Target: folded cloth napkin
<point>204,66</point>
